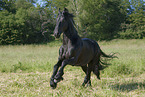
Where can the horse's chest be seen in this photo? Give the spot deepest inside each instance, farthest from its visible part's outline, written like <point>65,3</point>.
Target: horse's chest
<point>69,52</point>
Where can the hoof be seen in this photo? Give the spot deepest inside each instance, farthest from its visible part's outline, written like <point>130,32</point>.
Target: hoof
<point>58,79</point>
<point>98,77</point>
<point>83,84</point>
<point>89,84</point>
<point>53,84</point>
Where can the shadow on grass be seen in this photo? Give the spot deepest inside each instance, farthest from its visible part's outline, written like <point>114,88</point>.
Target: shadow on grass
<point>128,86</point>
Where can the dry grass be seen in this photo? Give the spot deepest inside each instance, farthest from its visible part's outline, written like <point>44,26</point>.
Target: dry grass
<point>37,84</point>
<point>25,71</point>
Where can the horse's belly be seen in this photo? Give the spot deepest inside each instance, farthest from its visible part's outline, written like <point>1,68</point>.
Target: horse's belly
<point>85,57</point>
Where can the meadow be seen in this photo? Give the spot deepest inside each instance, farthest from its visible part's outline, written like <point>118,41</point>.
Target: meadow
<point>25,71</point>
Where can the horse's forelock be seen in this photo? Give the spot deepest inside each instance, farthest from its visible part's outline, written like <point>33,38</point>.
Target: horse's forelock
<point>67,14</point>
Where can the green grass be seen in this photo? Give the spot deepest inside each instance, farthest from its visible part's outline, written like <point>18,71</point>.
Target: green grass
<point>25,70</point>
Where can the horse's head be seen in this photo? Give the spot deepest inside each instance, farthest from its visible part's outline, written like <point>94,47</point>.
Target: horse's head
<point>61,23</point>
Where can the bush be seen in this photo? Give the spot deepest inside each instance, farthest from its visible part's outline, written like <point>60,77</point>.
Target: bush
<point>130,34</point>
<point>24,24</point>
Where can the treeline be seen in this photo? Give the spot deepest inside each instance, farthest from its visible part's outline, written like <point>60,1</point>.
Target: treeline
<point>25,21</point>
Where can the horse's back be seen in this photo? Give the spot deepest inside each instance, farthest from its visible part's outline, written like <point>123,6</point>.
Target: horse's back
<point>88,51</point>
<point>91,42</point>
<point>93,45</point>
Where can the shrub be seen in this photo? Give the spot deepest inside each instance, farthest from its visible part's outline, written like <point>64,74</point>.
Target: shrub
<point>130,34</point>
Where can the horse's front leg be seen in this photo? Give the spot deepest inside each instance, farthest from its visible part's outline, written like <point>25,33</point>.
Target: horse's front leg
<point>55,69</point>
<point>60,73</point>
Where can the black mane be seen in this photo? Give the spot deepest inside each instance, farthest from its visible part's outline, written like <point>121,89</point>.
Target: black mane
<point>71,33</point>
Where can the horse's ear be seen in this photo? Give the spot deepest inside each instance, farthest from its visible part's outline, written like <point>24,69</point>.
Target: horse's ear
<point>59,11</point>
<point>65,9</point>
<point>65,12</point>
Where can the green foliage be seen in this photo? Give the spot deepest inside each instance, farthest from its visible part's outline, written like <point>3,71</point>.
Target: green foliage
<point>134,28</point>
<point>25,24</point>
<point>8,5</point>
<point>60,3</point>
<point>102,19</point>
<point>22,22</point>
<point>9,33</point>
<point>130,34</point>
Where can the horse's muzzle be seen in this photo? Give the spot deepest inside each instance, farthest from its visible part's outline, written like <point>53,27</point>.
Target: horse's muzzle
<point>56,35</point>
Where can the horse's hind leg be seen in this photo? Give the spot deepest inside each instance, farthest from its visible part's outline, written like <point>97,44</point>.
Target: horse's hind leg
<point>84,68</point>
<point>96,70</point>
<point>87,71</point>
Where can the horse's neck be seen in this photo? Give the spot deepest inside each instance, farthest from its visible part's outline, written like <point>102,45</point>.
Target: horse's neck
<point>70,37</point>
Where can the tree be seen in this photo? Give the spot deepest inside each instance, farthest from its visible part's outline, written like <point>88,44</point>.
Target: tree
<point>100,19</point>
<point>25,24</point>
<point>8,29</point>
<point>134,27</point>
<point>60,3</point>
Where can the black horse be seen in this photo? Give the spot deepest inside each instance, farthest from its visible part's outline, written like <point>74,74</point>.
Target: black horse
<point>75,51</point>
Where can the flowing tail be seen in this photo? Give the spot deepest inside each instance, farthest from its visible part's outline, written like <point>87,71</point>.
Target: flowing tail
<point>103,57</point>
<point>108,56</point>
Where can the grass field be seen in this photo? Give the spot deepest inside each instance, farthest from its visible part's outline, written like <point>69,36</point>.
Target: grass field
<point>25,70</point>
